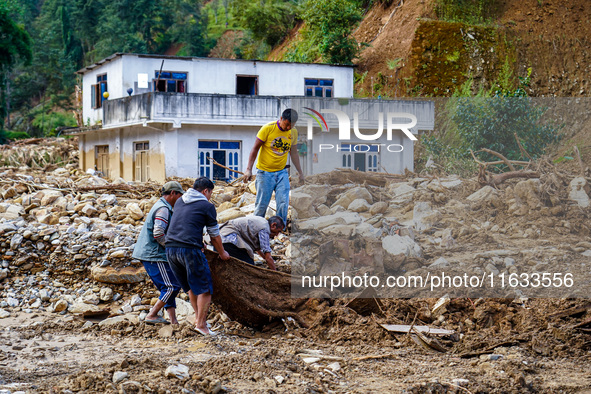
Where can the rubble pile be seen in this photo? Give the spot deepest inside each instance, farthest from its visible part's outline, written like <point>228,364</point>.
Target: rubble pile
<point>39,152</point>
<point>66,239</point>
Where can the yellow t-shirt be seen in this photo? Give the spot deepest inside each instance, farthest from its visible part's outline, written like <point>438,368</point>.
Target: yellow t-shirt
<point>276,146</point>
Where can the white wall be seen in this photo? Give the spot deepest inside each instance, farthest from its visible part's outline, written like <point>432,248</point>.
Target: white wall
<point>213,76</point>
<point>113,69</point>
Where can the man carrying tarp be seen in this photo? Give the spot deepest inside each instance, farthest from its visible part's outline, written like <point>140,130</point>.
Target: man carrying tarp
<point>243,236</point>
<point>184,244</point>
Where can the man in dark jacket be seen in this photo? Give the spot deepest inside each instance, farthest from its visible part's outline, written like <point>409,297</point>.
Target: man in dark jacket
<point>149,249</point>
<point>184,245</point>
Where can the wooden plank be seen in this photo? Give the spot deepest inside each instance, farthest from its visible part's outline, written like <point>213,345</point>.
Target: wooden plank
<point>404,329</point>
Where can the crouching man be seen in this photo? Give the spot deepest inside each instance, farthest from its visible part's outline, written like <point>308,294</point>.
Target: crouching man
<point>244,236</point>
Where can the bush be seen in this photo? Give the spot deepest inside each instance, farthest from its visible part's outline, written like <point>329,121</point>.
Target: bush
<point>327,32</point>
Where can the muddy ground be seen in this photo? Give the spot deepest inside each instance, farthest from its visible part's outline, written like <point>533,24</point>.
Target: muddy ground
<point>48,353</point>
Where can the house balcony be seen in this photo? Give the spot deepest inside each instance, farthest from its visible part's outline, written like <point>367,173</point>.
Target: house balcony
<point>190,108</point>
<point>196,108</point>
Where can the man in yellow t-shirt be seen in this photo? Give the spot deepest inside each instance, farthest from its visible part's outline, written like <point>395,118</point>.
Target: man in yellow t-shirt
<point>273,143</point>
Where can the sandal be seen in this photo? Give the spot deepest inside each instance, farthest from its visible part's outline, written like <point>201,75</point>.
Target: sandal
<point>158,320</point>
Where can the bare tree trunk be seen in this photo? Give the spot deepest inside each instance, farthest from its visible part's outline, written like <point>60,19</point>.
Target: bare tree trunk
<point>8,101</point>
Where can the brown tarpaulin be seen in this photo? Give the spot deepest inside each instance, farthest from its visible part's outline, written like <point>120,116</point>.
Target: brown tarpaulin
<point>253,296</point>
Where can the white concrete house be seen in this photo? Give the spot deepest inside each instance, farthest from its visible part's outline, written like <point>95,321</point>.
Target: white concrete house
<point>165,115</point>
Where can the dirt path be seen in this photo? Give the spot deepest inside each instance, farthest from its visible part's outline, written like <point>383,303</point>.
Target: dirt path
<point>48,354</point>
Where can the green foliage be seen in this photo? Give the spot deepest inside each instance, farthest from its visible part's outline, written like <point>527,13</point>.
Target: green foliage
<point>472,12</point>
<point>393,64</point>
<point>491,119</point>
<point>327,32</point>
<point>49,122</point>
<point>268,20</point>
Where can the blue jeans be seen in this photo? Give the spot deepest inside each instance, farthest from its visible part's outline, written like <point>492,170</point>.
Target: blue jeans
<point>266,184</point>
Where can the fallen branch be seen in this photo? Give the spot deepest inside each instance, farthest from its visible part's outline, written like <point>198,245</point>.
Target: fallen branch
<point>500,156</point>
<point>497,179</point>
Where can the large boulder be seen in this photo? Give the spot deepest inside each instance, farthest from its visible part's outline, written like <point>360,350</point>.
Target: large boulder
<point>118,276</point>
<point>424,217</point>
<point>303,204</point>
<point>345,199</point>
<point>229,214</point>
<point>49,196</point>
<point>577,192</point>
<point>322,222</point>
<point>134,211</point>
<point>401,193</point>
<point>395,245</point>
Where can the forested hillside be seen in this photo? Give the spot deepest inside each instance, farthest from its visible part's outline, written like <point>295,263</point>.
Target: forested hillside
<point>401,48</point>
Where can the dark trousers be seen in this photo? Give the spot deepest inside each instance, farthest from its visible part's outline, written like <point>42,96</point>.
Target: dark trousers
<point>236,252</point>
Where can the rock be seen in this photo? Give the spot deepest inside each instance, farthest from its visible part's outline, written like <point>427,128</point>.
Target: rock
<point>118,254</point>
<point>60,306</point>
<point>106,294</point>
<point>44,295</point>
<point>9,193</point>
<point>166,331</point>
<point>484,194</point>
<point>396,245</point>
<point>111,321</point>
<point>359,205</point>
<point>424,217</point>
<point>577,192</point>
<point>334,367</point>
<point>134,211</point>
<point>89,210</point>
<point>229,214</point>
<point>451,183</point>
<point>349,196</point>
<point>119,376</point>
<point>367,231</point>
<point>4,314</point>
<point>50,218</point>
<point>82,308</point>
<point>402,192</point>
<point>303,204</point>
<point>3,273</point>
<point>492,269</point>
<point>115,276</point>
<point>50,196</point>
<point>339,230</point>
<point>178,371</point>
<point>12,212</point>
<point>225,206</point>
<point>279,379</point>
<point>439,263</point>
<point>322,222</point>
<point>528,192</point>
<point>183,308</point>
<point>107,199</point>
<point>135,300</point>
<point>378,207</point>
<point>15,241</point>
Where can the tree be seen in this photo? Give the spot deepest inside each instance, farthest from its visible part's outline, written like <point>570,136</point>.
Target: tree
<point>15,45</point>
<point>329,24</point>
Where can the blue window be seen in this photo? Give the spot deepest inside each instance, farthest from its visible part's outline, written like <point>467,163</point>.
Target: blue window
<point>229,145</point>
<point>208,144</point>
<point>318,87</point>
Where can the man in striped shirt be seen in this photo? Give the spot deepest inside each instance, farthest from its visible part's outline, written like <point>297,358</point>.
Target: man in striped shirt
<point>150,250</point>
